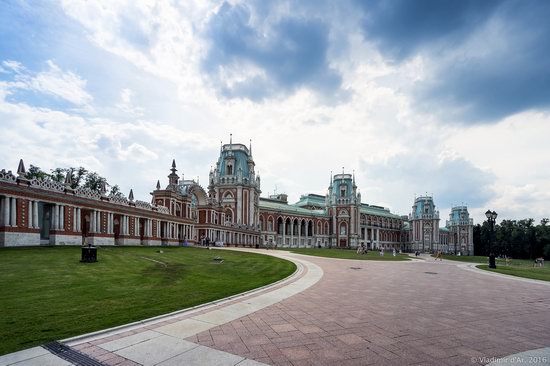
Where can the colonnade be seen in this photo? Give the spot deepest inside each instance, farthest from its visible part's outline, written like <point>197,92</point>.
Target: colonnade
<point>33,215</point>
<point>57,217</point>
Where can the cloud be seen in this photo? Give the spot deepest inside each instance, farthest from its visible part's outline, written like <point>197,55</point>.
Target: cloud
<point>402,27</point>
<point>485,60</point>
<point>258,58</point>
<point>55,82</point>
<point>451,179</point>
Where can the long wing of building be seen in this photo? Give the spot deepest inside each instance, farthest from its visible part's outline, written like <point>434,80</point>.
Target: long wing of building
<point>230,212</point>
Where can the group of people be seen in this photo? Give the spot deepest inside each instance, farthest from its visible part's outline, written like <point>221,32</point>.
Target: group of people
<point>362,249</point>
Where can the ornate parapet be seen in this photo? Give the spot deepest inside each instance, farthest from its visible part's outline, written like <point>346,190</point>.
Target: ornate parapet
<point>48,185</point>
<point>119,200</point>
<point>163,209</point>
<point>7,176</point>
<point>144,205</point>
<point>87,193</point>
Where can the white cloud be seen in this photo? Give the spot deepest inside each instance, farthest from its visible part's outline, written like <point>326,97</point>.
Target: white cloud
<point>53,81</point>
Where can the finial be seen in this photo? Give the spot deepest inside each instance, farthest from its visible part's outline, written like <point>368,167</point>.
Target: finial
<point>353,176</point>
<point>103,187</point>
<point>230,139</point>
<point>131,195</point>
<point>21,168</point>
<point>221,146</point>
<point>342,170</point>
<point>174,164</point>
<point>69,178</point>
<point>250,148</point>
<point>158,184</point>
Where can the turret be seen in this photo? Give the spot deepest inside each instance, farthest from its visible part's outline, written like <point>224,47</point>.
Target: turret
<point>173,178</point>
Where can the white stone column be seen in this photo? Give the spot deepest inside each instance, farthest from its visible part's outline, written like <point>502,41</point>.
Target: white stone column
<point>30,214</point>
<point>13,212</point>
<point>35,215</point>
<point>61,217</point>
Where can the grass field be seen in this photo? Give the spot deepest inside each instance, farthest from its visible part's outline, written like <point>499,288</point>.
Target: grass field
<point>347,254</point>
<point>517,267</point>
<point>47,294</point>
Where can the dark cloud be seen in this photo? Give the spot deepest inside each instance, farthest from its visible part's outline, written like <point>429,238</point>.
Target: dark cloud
<point>401,27</point>
<point>509,72</point>
<point>450,180</point>
<point>291,53</point>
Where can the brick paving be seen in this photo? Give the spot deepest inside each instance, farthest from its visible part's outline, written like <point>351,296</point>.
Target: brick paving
<point>421,313</point>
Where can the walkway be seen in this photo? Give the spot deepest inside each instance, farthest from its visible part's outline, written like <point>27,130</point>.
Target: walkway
<point>343,312</point>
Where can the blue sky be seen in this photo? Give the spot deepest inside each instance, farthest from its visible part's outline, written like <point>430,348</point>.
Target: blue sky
<point>449,98</point>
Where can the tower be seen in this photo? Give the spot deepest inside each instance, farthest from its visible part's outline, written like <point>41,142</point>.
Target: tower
<point>234,183</point>
<point>424,219</point>
<point>343,207</point>
<point>460,225</point>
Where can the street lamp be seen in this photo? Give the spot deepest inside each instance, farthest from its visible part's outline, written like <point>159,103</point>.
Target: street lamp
<point>491,218</point>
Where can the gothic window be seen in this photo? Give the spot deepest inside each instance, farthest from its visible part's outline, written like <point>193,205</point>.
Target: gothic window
<point>343,229</point>
<point>342,191</point>
<point>228,215</point>
<point>229,169</point>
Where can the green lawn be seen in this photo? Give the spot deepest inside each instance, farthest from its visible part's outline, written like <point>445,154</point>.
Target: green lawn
<point>48,294</point>
<point>523,268</point>
<point>348,254</point>
<point>517,267</point>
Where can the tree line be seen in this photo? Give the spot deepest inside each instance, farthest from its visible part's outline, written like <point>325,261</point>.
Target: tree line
<point>520,239</point>
<point>80,177</point>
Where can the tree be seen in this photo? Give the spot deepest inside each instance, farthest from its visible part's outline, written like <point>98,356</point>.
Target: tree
<point>94,181</point>
<point>115,191</point>
<point>34,172</point>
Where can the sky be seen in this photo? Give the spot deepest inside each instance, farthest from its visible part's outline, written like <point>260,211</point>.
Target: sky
<point>438,97</point>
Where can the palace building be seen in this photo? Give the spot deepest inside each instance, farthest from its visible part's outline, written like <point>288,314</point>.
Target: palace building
<point>230,212</point>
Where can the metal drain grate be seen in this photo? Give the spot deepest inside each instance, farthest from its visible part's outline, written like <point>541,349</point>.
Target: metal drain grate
<point>430,272</point>
<point>68,354</point>
<point>354,267</point>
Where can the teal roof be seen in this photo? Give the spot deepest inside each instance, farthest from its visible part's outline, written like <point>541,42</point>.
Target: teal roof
<point>444,229</point>
<point>239,153</point>
<point>272,205</point>
<point>377,211</point>
<point>311,200</point>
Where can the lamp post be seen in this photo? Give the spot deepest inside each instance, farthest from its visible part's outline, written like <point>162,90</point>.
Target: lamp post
<point>491,218</point>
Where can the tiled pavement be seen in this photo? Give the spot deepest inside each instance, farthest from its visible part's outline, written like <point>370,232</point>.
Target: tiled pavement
<point>359,313</point>
<point>399,313</point>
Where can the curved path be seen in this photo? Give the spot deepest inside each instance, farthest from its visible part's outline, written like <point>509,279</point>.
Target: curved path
<point>343,312</point>
<point>395,313</point>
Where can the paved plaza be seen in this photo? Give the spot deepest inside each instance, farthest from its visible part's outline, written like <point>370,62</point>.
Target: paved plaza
<point>340,312</point>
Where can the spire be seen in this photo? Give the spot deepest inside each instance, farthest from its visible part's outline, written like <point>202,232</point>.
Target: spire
<point>330,182</point>
<point>353,176</point>
<point>173,177</point>
<point>131,195</point>
<point>230,139</point>
<point>158,184</point>
<point>221,146</point>
<point>342,170</point>
<point>21,169</point>
<point>250,148</point>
